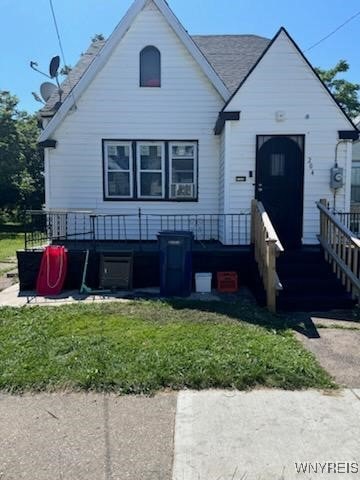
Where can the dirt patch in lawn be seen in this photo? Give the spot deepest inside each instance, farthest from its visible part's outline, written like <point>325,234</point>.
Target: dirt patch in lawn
<point>8,273</point>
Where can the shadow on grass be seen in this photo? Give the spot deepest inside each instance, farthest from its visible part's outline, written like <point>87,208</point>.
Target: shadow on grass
<point>248,311</point>
<point>241,310</point>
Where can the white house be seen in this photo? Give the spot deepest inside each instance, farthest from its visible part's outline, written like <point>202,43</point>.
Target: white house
<point>178,125</point>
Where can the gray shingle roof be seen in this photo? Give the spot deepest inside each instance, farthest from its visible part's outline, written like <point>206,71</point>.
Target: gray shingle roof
<point>74,76</point>
<point>231,56</point>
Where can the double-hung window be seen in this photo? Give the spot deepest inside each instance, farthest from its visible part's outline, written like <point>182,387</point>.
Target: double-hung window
<point>355,183</point>
<point>182,159</point>
<point>118,170</point>
<point>151,170</point>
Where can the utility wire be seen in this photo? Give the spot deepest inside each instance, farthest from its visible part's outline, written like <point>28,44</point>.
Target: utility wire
<point>61,46</point>
<point>334,31</point>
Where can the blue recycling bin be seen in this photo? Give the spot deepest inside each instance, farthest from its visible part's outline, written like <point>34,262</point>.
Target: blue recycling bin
<point>175,263</point>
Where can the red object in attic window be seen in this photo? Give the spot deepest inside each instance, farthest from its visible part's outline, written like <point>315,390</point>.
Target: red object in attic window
<point>152,83</point>
<point>150,67</point>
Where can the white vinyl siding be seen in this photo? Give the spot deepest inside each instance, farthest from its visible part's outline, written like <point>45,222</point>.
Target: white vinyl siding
<point>282,81</point>
<point>114,106</point>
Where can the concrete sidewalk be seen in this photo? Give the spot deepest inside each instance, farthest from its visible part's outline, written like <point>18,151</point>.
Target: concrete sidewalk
<point>219,435</point>
<point>82,436</point>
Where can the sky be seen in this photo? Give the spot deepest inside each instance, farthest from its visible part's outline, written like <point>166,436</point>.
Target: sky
<point>27,31</point>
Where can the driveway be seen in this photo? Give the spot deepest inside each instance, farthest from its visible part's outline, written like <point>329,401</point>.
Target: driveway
<point>336,345</point>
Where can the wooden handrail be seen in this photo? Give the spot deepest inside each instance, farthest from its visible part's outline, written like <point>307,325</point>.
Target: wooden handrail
<point>341,249</point>
<point>267,247</point>
<point>271,234</point>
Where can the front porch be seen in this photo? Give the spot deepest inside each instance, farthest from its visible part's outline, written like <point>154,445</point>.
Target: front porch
<point>246,243</point>
<point>221,243</point>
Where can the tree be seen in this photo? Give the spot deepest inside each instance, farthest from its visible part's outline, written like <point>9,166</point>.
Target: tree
<point>21,161</point>
<point>98,37</point>
<point>65,70</point>
<point>346,93</point>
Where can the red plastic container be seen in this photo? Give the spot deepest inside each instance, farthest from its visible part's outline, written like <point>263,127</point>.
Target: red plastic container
<point>52,273</point>
<point>227,282</point>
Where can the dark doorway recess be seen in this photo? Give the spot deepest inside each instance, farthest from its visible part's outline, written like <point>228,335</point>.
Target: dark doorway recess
<point>280,184</point>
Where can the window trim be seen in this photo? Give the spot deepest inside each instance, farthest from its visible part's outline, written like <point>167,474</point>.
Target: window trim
<point>118,143</point>
<point>148,47</point>
<point>355,165</point>
<point>195,167</point>
<point>135,197</point>
<point>139,171</point>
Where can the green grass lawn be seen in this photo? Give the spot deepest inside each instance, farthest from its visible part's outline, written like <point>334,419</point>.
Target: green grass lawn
<point>9,243</point>
<point>146,346</point>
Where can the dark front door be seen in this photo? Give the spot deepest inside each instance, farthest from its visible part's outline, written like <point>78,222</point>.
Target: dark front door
<point>279,184</point>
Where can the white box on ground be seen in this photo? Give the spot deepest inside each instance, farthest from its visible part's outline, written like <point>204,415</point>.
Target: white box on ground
<point>203,282</point>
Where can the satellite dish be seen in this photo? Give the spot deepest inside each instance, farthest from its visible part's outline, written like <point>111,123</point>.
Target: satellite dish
<point>57,106</point>
<point>46,90</point>
<point>54,66</point>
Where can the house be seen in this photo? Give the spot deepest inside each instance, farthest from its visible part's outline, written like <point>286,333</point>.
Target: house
<point>156,130</point>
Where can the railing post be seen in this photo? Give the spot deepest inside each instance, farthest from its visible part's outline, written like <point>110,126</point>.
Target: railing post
<point>271,275</point>
<point>93,234</point>
<point>323,225</point>
<point>253,213</point>
<point>140,232</point>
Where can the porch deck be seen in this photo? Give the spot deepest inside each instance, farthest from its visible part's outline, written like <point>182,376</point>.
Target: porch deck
<point>105,246</point>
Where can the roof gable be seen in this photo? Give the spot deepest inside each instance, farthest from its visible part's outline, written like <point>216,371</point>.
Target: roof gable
<point>85,74</point>
<point>283,31</point>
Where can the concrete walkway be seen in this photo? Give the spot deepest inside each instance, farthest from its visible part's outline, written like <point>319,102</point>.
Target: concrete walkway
<point>338,352</point>
<point>219,435</point>
<point>11,297</point>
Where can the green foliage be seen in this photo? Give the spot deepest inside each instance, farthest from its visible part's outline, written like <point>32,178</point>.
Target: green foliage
<point>98,37</point>
<point>146,346</point>
<point>21,161</point>
<point>65,70</point>
<point>9,243</point>
<point>346,93</point>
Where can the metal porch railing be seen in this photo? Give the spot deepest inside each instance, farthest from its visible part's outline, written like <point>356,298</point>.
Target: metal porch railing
<point>43,227</point>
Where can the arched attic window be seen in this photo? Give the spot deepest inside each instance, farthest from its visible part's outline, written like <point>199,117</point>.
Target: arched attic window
<point>150,67</point>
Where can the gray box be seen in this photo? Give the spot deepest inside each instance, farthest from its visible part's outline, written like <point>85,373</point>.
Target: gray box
<point>336,178</point>
<point>116,271</point>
